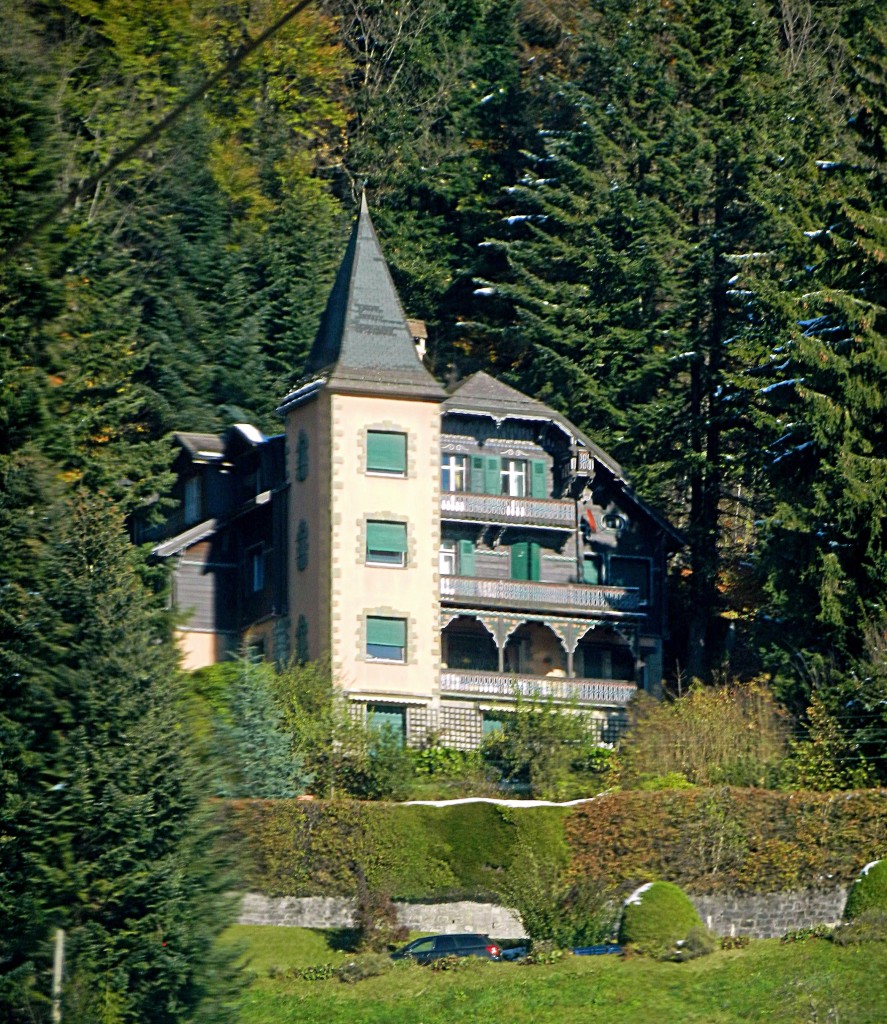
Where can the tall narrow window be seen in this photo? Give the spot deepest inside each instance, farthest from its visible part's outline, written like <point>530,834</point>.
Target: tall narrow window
<point>447,558</point>
<point>302,545</point>
<point>386,639</point>
<point>193,499</point>
<point>257,567</point>
<point>386,452</point>
<point>386,543</point>
<point>454,473</point>
<point>302,640</point>
<point>302,456</point>
<point>514,477</point>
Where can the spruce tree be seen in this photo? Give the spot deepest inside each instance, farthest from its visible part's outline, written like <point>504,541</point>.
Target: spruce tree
<point>646,257</point>
<point>824,551</point>
<point>130,869</point>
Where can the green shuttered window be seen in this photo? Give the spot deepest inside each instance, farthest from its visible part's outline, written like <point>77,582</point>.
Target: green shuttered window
<point>386,543</point>
<point>386,638</point>
<point>388,718</point>
<point>386,452</point>
<point>526,560</point>
<point>466,558</point>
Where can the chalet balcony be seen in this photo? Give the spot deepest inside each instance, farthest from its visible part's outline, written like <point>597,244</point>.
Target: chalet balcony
<point>597,692</point>
<point>524,595</point>
<point>500,508</point>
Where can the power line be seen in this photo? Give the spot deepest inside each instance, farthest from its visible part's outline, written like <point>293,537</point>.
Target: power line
<point>77,191</point>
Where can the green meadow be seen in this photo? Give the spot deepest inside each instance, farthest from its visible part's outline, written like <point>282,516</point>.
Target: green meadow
<point>810,982</point>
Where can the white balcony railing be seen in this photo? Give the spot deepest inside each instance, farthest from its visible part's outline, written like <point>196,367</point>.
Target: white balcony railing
<point>523,594</point>
<point>503,509</point>
<point>458,682</point>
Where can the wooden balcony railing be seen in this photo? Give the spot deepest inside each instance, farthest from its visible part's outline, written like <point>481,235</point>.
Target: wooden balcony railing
<point>524,594</point>
<point>499,508</point>
<point>460,682</point>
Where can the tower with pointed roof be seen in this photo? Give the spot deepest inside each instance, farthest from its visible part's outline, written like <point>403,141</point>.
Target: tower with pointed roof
<point>362,434</point>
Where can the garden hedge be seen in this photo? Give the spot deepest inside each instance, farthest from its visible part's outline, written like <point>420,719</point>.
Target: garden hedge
<point>705,840</point>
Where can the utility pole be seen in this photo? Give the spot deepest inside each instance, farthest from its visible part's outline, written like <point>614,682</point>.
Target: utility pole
<point>58,967</point>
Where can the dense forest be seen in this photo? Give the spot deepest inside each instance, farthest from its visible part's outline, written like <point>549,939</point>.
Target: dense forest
<point>665,218</point>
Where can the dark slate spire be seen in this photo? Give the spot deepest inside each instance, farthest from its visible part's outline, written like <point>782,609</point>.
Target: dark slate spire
<point>364,343</point>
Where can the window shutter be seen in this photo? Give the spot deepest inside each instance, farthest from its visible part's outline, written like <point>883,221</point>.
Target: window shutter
<point>386,452</point>
<point>493,475</point>
<point>388,632</point>
<point>387,537</point>
<point>477,474</point>
<point>466,558</point>
<point>520,563</point>
<point>535,560</point>
<point>391,718</point>
<point>538,478</point>
<point>591,569</point>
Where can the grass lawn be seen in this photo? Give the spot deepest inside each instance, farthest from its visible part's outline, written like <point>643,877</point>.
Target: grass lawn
<point>810,982</point>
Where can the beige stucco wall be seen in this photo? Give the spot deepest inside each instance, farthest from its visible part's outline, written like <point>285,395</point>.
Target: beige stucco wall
<point>357,589</point>
<point>309,499</point>
<point>200,649</point>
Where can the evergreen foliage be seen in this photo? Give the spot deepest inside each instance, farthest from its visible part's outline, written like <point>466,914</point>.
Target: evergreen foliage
<point>656,918</point>
<point>868,893</point>
<point>127,856</point>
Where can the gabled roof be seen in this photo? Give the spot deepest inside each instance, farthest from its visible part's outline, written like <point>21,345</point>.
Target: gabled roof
<point>202,446</point>
<point>483,395</point>
<point>364,343</point>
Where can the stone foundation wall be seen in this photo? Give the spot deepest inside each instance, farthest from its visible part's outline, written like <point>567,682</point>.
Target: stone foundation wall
<point>759,916</point>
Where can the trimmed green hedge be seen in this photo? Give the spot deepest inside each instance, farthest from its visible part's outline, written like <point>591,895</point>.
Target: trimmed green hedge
<point>705,840</point>
<point>868,892</point>
<point>297,848</point>
<point>656,919</point>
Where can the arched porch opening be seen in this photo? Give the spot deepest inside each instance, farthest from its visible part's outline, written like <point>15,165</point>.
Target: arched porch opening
<point>466,643</point>
<point>534,649</point>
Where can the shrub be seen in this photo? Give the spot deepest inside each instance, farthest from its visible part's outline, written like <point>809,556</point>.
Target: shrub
<point>314,972</point>
<point>868,892</point>
<point>817,931</point>
<point>375,918</point>
<point>734,941</point>
<point>700,941</point>
<point>367,965</point>
<point>868,926</point>
<point>656,918</point>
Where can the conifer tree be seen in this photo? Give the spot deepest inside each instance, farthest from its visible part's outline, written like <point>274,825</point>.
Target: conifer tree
<point>647,252</point>
<point>824,552</point>
<point>129,867</point>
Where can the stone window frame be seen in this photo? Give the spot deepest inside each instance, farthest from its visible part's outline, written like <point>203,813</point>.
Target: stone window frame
<point>387,612</point>
<point>410,560</point>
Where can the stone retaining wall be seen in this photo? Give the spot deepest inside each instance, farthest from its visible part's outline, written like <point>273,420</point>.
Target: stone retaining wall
<point>769,915</point>
<point>327,912</point>
<point>760,916</point>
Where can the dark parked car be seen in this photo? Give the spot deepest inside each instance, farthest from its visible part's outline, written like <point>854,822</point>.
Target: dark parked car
<point>433,947</point>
